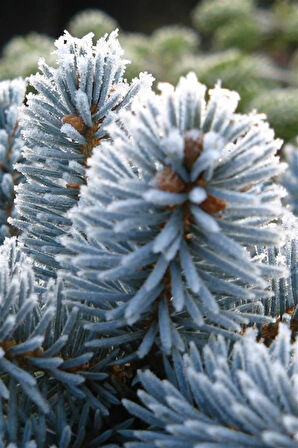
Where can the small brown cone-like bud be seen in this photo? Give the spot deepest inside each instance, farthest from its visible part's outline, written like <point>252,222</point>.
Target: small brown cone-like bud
<point>246,188</point>
<point>270,331</point>
<point>212,204</point>
<point>168,180</point>
<point>75,186</point>
<point>76,122</point>
<point>6,345</point>
<point>93,108</point>
<point>92,141</point>
<point>193,147</point>
<point>201,182</point>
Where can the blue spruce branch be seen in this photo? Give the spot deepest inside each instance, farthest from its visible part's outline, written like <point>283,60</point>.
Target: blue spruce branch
<point>172,207</point>
<point>63,122</point>
<point>11,97</point>
<point>284,290</point>
<point>51,388</point>
<point>238,398</point>
<point>166,237</point>
<point>290,177</point>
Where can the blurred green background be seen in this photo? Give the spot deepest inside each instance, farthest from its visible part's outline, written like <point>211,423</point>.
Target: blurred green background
<point>250,45</point>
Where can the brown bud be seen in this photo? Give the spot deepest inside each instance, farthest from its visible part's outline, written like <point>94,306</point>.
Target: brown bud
<point>193,147</point>
<point>201,182</point>
<point>168,180</point>
<point>270,331</point>
<point>246,188</point>
<point>75,186</point>
<point>213,204</point>
<point>76,122</point>
<point>6,345</point>
<point>93,108</point>
<point>92,141</point>
<point>78,80</point>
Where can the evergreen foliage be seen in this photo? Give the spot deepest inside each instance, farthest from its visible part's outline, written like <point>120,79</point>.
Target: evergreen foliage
<point>234,34</point>
<point>246,398</point>
<point>283,291</point>
<point>247,44</point>
<point>49,385</point>
<point>149,297</point>
<point>249,75</point>
<point>62,124</point>
<point>229,23</point>
<point>286,17</point>
<point>281,110</point>
<point>290,178</point>
<point>138,49</point>
<point>161,52</point>
<point>91,20</point>
<point>11,97</point>
<point>171,212</point>
<point>210,15</point>
<point>20,56</point>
